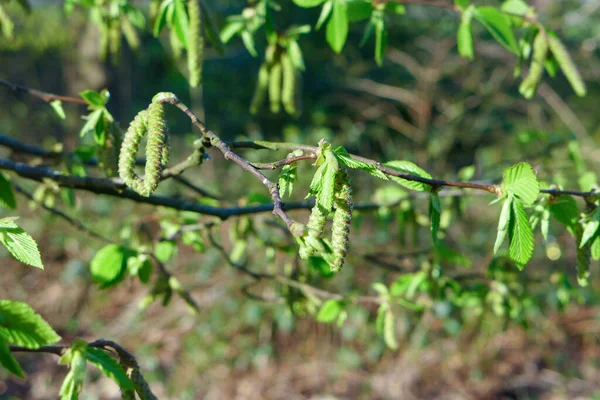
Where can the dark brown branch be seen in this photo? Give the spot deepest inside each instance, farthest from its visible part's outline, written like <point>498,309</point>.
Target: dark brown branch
<point>47,97</point>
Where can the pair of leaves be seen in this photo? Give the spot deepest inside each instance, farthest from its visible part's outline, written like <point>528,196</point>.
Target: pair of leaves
<point>20,325</point>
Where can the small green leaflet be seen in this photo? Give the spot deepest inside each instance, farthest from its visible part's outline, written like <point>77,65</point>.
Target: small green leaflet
<point>73,383</point>
<point>435,212</point>
<point>520,181</point>
<point>19,243</point>
<point>409,168</point>
<point>325,195</point>
<point>181,22</point>
<point>109,265</point>
<point>7,195</point>
<point>590,227</point>
<point>464,36</point>
<point>337,27</point>
<point>287,178</point>
<point>22,326</point>
<point>93,122</point>
<point>329,311</point>
<point>325,11</point>
<point>503,223</point>
<point>520,235</point>
<point>345,159</point>
<point>498,24</point>
<point>161,17</point>
<point>58,108</point>
<point>109,367</point>
<point>8,361</point>
<point>94,99</point>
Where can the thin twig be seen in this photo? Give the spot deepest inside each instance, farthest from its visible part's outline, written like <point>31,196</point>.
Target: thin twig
<point>47,97</point>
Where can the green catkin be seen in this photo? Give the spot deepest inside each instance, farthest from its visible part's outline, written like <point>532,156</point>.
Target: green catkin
<point>108,153</point>
<point>151,122</point>
<point>260,92</point>
<point>196,43</point>
<point>176,46</point>
<point>6,24</point>
<point>342,218</point>
<point>104,40</point>
<point>288,91</point>
<point>540,51</point>
<point>566,65</point>
<point>314,232</point>
<point>130,34</point>
<point>275,76</point>
<point>114,39</point>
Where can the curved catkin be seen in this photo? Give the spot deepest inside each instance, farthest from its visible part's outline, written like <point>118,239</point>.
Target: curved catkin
<point>151,122</point>
<point>342,218</point>
<point>195,43</point>
<point>566,65</point>
<point>540,51</point>
<point>315,228</point>
<point>260,92</point>
<point>288,91</point>
<point>275,87</point>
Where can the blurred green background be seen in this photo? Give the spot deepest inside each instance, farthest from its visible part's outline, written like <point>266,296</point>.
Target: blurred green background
<point>425,104</point>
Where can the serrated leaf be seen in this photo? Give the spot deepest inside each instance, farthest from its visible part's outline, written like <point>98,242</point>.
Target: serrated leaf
<point>7,195</point>
<point>409,168</point>
<point>337,27</point>
<point>521,235</point>
<point>464,35</point>
<point>520,180</point>
<point>8,361</point>
<point>329,311</point>
<point>58,108</point>
<point>93,98</point>
<point>109,367</point>
<point>20,325</point>
<point>498,25</point>
<point>591,227</point>
<point>389,330</point>
<point>503,223</point>
<point>325,195</point>
<point>109,265</point>
<point>346,159</point>
<point>20,244</point>
<point>287,178</point>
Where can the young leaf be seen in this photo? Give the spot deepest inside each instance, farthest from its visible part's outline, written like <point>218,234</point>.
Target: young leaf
<point>329,311</point>
<point>181,22</point>
<point>93,98</point>
<point>409,168</point>
<point>58,108</point>
<point>73,383</point>
<point>7,196</point>
<point>248,40</point>
<point>345,159</point>
<point>287,178</point>
<point>389,330</point>
<point>92,121</point>
<point>109,367</point>
<point>520,181</point>
<point>503,223</point>
<point>591,227</point>
<point>325,12</point>
<point>19,243</point>
<point>521,235</point>
<point>109,264</point>
<point>8,361</point>
<point>161,18</point>
<point>381,37</point>
<point>231,29</point>
<point>498,25</point>
<point>325,195</point>
<point>337,27</point>
<point>21,326</point>
<point>464,36</point>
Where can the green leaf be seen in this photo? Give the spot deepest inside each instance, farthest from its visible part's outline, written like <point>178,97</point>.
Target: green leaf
<point>109,265</point>
<point>380,288</point>
<point>109,367</point>
<point>498,25</point>
<point>181,22</point>
<point>329,311</point>
<point>591,227</point>
<point>359,10</point>
<point>346,159</point>
<point>395,8</point>
<point>435,211</point>
<point>325,12</point>
<point>325,195</point>
<point>19,243</point>
<point>516,7</point>
<point>565,210</point>
<point>287,178</point>
<point>521,235</point>
<point>161,17</point>
<point>389,330</point>
<point>337,27</point>
<point>93,98</point>
<point>8,361</point>
<point>464,36</point>
<point>379,322</point>
<point>462,3</point>
<point>164,250</point>
<point>7,196</point>
<point>409,168</point>
<point>231,29</point>
<point>58,108</point>
<point>73,383</point>
<point>595,248</point>
<point>503,223</point>
<point>248,40</point>
<point>296,55</point>
<point>91,121</point>
<point>520,181</point>
<point>20,325</point>
<point>308,3</point>
<point>381,38</point>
